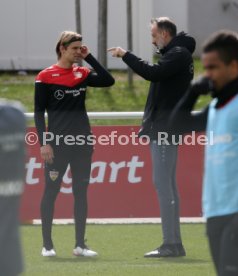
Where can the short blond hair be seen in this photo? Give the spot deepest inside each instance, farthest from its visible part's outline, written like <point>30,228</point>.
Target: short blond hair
<point>65,39</point>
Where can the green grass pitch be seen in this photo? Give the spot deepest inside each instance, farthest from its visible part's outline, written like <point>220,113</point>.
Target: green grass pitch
<point>120,248</point>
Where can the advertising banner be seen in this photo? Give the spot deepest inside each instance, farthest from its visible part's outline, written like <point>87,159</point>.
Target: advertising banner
<point>121,184</point>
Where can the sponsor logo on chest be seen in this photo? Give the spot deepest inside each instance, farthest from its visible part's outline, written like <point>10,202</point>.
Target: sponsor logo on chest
<point>59,94</point>
<point>75,92</point>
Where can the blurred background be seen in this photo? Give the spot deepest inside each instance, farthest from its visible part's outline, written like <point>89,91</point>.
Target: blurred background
<point>29,28</point>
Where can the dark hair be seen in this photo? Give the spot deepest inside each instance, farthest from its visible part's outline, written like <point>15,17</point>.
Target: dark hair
<point>164,23</point>
<point>225,43</point>
<point>65,39</point>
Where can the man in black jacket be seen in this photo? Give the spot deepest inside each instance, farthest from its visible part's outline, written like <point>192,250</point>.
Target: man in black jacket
<point>169,79</point>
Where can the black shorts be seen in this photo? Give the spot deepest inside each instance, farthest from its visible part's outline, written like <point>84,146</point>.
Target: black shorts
<point>222,232</point>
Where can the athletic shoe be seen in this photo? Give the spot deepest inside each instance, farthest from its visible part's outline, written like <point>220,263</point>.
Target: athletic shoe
<point>48,253</point>
<point>84,252</point>
<point>167,250</point>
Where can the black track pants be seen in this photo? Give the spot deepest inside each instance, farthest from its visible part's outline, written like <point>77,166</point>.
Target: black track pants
<point>79,158</point>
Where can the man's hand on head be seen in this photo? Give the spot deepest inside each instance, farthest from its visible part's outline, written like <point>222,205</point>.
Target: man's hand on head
<point>117,52</point>
<point>84,51</point>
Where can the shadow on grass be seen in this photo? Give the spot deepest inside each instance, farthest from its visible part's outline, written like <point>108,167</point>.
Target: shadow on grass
<point>183,260</point>
<point>71,260</point>
<point>144,262</point>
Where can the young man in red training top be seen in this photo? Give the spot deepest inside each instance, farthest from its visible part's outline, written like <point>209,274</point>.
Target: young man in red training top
<point>60,90</point>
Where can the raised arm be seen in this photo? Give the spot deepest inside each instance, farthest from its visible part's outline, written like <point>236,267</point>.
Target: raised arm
<point>182,120</point>
<point>168,66</point>
<point>100,77</point>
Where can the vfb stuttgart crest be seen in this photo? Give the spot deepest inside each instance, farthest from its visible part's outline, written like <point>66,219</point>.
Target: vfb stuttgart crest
<point>78,75</point>
<point>53,175</point>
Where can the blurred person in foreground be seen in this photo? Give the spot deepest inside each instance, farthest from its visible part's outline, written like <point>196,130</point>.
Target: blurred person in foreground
<point>169,80</point>
<point>220,121</point>
<point>60,90</point>
<point>12,164</point>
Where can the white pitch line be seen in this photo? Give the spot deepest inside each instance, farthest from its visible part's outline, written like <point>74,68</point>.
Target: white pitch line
<point>122,221</point>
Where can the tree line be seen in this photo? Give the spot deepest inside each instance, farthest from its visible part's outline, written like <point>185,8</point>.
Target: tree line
<point>102,31</point>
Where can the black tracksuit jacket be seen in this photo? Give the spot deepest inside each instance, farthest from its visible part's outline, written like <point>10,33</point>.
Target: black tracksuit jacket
<point>62,93</point>
<point>170,78</point>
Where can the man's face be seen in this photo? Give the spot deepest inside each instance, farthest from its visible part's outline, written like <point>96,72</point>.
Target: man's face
<point>158,36</point>
<point>217,71</point>
<point>72,53</point>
